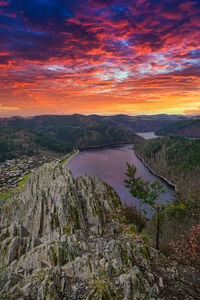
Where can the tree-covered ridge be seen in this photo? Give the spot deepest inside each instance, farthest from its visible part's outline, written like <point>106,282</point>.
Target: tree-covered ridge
<point>13,143</point>
<point>139,123</point>
<point>186,128</point>
<point>175,158</point>
<point>60,134</point>
<point>178,160</point>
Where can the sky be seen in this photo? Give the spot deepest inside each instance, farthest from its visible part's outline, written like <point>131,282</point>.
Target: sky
<point>104,56</point>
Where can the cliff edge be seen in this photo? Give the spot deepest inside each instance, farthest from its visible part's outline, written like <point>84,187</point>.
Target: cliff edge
<point>64,238</point>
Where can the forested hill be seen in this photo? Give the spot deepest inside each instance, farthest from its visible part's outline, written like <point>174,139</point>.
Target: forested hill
<point>175,158</point>
<point>185,128</point>
<point>59,134</point>
<point>140,123</point>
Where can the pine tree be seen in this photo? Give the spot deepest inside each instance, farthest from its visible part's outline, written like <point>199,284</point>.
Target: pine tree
<point>148,193</point>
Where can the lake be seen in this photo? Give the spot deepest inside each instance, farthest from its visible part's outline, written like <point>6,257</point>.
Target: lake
<point>109,163</point>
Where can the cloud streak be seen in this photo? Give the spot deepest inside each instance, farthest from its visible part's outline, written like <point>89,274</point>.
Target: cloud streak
<point>99,56</point>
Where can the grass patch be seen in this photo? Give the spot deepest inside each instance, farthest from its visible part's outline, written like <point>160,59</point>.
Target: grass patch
<point>5,195</point>
<point>62,162</point>
<point>23,181</point>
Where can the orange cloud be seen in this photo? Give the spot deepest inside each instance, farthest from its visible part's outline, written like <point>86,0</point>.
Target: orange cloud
<point>128,57</point>
<point>193,111</point>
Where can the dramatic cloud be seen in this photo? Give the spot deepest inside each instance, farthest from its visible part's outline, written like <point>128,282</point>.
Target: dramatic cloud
<point>99,56</point>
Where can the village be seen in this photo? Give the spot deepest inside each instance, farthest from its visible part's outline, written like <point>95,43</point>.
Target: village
<point>15,171</point>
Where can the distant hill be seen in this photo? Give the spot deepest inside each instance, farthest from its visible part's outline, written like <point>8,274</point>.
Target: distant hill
<point>141,123</point>
<point>55,133</point>
<point>62,133</point>
<point>184,128</point>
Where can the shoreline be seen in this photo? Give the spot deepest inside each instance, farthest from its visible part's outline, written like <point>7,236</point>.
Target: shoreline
<point>77,152</point>
<point>104,145</point>
<point>154,173</point>
<point>71,155</point>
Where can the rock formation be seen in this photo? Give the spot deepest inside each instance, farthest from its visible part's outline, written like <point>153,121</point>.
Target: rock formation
<point>64,238</point>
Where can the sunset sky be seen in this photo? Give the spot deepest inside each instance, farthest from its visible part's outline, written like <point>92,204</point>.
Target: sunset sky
<point>102,56</point>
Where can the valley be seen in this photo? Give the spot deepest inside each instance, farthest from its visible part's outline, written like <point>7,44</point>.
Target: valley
<point>100,150</point>
<point>68,224</point>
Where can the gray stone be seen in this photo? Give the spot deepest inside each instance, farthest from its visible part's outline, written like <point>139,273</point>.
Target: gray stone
<point>61,239</point>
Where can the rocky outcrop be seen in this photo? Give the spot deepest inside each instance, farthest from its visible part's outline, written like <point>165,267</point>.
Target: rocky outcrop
<point>63,238</point>
<point>53,202</point>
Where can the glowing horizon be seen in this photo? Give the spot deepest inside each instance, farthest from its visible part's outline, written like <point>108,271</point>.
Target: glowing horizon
<point>99,57</point>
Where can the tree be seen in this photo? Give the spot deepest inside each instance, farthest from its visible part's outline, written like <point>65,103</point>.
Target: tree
<point>148,193</point>
<point>137,186</point>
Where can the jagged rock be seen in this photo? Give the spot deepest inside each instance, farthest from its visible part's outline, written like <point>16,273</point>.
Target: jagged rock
<point>15,241</point>
<point>61,238</point>
<point>53,203</point>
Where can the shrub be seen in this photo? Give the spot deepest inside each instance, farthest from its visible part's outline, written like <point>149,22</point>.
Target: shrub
<point>186,249</point>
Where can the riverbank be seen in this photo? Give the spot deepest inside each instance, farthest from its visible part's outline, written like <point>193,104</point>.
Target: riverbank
<point>68,157</point>
<point>154,173</point>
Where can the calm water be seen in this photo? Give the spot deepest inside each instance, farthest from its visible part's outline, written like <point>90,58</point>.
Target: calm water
<point>109,163</point>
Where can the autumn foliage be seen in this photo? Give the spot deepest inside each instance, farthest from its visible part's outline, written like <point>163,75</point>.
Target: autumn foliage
<point>186,250</point>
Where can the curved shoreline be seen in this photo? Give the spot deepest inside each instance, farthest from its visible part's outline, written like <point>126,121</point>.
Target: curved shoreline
<point>154,173</point>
